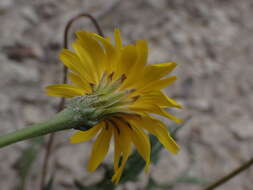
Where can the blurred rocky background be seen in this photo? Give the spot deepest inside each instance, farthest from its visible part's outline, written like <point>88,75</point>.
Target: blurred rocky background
<point>210,40</point>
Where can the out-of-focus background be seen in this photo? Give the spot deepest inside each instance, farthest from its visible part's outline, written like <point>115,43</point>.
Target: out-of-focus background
<point>210,40</point>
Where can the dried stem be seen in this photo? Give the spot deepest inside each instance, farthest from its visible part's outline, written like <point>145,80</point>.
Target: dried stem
<point>64,80</point>
<point>234,173</point>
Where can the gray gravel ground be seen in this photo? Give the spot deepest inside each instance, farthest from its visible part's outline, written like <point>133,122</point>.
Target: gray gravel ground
<point>211,41</point>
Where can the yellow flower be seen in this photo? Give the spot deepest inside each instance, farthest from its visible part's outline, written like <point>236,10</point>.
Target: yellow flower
<point>126,88</point>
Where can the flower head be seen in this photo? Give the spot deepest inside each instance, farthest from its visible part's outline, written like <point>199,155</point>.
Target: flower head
<point>121,92</point>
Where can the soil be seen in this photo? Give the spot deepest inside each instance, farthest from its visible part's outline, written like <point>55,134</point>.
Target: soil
<point>210,40</point>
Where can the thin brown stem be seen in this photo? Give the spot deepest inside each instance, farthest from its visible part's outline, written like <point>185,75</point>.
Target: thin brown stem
<point>234,173</point>
<point>64,80</point>
<point>71,21</point>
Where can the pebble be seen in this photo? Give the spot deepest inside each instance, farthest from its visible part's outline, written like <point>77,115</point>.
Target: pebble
<point>6,4</point>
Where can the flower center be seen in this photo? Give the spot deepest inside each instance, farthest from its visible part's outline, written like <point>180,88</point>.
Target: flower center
<point>109,92</point>
<point>107,100</point>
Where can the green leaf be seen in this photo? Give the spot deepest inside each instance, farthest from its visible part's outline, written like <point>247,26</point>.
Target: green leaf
<point>103,184</point>
<point>192,180</point>
<point>49,185</point>
<point>153,185</point>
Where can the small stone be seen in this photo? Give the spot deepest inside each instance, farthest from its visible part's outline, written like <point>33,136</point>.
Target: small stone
<point>243,128</point>
<point>19,52</point>
<point>201,105</point>
<point>30,15</point>
<point>32,114</point>
<point>14,73</point>
<point>47,10</point>
<point>4,102</point>
<point>71,161</point>
<point>176,164</point>
<point>159,4</point>
<point>5,4</point>
<point>130,186</point>
<point>8,157</point>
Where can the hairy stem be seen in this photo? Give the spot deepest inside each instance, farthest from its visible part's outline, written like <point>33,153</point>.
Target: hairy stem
<point>61,121</point>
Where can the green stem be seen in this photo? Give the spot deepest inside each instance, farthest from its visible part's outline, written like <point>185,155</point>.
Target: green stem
<point>64,120</point>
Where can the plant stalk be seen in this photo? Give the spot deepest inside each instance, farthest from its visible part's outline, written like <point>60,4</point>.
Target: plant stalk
<point>234,173</point>
<point>63,120</point>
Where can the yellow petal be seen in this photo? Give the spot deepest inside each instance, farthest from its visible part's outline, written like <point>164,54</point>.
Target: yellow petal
<point>157,71</point>
<point>81,136</point>
<point>158,98</point>
<point>117,38</point>
<point>138,68</point>
<point>72,61</point>
<point>158,129</point>
<point>64,90</point>
<point>79,81</point>
<point>100,148</point>
<point>125,146</point>
<point>127,60</point>
<point>94,49</point>
<point>142,49</point>
<point>160,111</point>
<point>117,149</point>
<point>91,45</point>
<point>151,108</point>
<point>166,140</point>
<point>86,61</point>
<point>108,38</point>
<point>110,51</point>
<point>173,102</point>
<point>142,143</point>
<point>157,85</point>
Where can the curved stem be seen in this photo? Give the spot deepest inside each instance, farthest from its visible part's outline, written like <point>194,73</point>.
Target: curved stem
<point>226,178</point>
<point>71,21</point>
<point>61,121</point>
